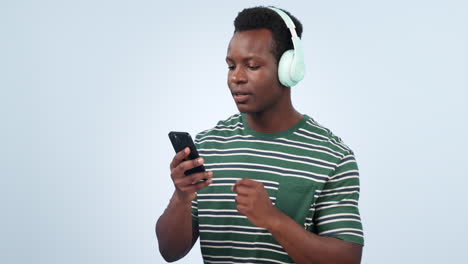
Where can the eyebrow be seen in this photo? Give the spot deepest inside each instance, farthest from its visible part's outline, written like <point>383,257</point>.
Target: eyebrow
<point>245,59</point>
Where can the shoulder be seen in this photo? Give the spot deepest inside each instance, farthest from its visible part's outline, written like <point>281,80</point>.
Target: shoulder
<point>224,128</point>
<point>314,132</point>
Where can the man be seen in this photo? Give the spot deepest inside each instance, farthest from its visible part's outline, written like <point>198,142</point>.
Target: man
<point>279,187</point>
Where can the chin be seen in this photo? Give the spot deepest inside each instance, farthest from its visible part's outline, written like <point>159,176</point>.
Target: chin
<point>244,108</point>
<point>250,108</point>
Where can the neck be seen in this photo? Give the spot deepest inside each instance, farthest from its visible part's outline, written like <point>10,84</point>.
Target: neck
<point>277,118</point>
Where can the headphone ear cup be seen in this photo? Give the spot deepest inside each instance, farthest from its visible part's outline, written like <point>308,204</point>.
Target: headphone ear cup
<point>284,68</point>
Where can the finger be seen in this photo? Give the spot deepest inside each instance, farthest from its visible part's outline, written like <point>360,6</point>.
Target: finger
<point>244,190</point>
<point>237,184</point>
<point>242,209</point>
<point>186,181</point>
<point>196,177</point>
<point>189,164</point>
<point>253,184</point>
<point>247,182</point>
<point>179,157</point>
<point>242,200</point>
<point>198,186</point>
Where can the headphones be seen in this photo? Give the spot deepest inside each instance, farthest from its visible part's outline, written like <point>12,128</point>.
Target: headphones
<point>291,67</point>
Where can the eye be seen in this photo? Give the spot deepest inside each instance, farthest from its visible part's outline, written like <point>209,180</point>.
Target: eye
<point>253,68</point>
<point>231,68</point>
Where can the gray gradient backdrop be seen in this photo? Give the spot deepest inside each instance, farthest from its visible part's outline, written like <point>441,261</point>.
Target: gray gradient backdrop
<point>90,89</point>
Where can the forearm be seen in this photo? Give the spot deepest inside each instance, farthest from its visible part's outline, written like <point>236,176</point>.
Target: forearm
<point>174,230</point>
<point>305,247</point>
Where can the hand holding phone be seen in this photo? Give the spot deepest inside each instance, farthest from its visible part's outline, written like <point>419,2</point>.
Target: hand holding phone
<point>181,140</point>
<point>187,170</point>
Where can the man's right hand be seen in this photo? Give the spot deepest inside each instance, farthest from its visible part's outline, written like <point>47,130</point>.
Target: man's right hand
<point>187,185</point>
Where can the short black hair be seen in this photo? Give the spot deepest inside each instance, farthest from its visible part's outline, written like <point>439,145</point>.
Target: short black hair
<point>263,17</point>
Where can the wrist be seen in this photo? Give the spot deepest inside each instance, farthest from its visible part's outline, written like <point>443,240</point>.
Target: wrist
<point>181,198</point>
<point>274,222</point>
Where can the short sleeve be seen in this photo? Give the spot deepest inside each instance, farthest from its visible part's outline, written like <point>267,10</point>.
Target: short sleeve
<point>336,212</point>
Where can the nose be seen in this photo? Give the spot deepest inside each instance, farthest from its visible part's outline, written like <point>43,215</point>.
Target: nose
<point>238,75</point>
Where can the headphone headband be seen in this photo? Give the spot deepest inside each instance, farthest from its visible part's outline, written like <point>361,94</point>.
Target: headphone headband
<point>287,20</point>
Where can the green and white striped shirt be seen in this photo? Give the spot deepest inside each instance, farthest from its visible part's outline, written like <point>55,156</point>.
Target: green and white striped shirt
<point>308,172</point>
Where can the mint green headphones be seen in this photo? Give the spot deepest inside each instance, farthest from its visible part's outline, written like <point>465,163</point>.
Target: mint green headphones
<point>291,67</point>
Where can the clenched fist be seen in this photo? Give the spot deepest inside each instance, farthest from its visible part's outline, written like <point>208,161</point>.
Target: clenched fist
<point>253,201</point>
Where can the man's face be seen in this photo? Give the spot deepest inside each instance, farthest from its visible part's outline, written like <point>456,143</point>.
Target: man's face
<point>253,71</point>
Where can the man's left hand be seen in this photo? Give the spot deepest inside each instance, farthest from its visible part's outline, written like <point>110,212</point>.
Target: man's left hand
<point>253,201</point>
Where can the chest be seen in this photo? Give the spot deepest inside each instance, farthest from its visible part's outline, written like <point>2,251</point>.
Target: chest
<point>292,181</point>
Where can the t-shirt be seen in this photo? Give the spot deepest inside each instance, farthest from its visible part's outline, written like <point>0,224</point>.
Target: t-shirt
<point>307,171</point>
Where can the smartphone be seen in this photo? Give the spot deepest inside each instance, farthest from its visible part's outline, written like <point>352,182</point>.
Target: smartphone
<point>181,140</point>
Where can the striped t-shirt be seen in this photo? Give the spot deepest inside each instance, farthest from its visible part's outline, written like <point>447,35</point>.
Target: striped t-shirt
<point>308,172</point>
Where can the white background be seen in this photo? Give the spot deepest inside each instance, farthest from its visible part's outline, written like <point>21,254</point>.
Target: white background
<point>90,89</point>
